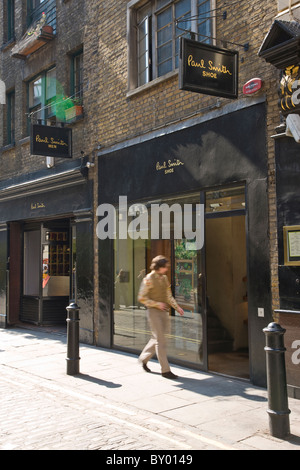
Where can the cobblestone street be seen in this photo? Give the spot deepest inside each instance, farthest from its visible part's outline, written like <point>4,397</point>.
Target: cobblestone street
<point>41,416</point>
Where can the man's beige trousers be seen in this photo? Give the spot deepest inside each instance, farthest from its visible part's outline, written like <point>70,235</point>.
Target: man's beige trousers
<point>160,325</point>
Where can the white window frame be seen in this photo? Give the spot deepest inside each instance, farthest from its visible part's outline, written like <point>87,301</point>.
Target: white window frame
<point>132,29</point>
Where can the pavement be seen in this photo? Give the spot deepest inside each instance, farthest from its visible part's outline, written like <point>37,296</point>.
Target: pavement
<point>113,405</point>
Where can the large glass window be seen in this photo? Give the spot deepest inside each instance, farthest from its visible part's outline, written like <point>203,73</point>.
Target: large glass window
<point>131,263</point>
<point>208,280</point>
<point>158,25</point>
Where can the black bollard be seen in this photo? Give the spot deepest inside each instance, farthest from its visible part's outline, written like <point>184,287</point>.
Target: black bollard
<point>73,339</point>
<point>276,378</point>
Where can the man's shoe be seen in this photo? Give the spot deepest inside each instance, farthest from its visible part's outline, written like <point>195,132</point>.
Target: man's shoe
<point>145,367</point>
<point>169,375</point>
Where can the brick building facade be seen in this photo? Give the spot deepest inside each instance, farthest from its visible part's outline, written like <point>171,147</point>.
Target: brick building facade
<point>135,119</point>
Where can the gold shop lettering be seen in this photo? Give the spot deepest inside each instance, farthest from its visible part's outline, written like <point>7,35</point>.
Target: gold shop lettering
<point>37,205</point>
<point>51,143</point>
<point>210,69</point>
<point>168,166</point>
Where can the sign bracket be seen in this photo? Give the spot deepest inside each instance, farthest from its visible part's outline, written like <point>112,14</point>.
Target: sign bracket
<point>193,35</point>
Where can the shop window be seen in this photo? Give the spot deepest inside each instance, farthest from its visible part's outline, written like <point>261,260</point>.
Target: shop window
<point>56,263</point>
<point>10,118</point>
<point>132,259</point>
<point>155,29</point>
<point>42,94</point>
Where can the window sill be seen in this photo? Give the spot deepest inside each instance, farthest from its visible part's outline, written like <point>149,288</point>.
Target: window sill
<point>8,45</point>
<point>24,141</point>
<point>7,147</point>
<point>75,119</point>
<point>32,42</point>
<point>151,84</point>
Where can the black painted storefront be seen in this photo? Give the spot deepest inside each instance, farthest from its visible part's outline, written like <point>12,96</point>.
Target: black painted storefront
<point>287,153</point>
<point>281,49</point>
<point>56,199</point>
<point>223,150</point>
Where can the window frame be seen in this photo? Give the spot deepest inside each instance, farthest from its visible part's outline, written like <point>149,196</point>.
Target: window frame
<point>76,75</point>
<point>35,9</point>
<point>45,102</point>
<point>10,117</point>
<point>133,8</point>
<point>10,18</point>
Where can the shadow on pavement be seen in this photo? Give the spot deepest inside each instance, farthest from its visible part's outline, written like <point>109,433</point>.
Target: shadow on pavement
<point>104,383</point>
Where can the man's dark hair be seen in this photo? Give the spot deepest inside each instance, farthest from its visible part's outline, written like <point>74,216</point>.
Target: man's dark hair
<point>159,262</point>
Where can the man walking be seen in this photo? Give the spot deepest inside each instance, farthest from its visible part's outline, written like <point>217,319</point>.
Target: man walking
<point>155,293</point>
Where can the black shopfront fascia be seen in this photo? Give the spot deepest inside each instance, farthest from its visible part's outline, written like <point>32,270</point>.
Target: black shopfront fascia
<point>63,192</point>
<point>221,151</point>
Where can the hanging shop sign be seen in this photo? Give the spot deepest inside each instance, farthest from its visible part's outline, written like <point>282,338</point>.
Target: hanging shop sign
<point>208,69</point>
<point>289,91</point>
<point>50,141</point>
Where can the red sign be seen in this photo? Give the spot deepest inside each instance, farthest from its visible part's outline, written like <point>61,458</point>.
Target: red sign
<point>252,86</point>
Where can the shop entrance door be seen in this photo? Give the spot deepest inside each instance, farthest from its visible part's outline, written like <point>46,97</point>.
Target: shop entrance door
<point>226,283</point>
<point>46,272</point>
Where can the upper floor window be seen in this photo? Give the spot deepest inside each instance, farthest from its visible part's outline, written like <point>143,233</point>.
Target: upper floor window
<point>10,19</point>
<point>42,96</point>
<point>36,9</point>
<point>10,118</point>
<point>77,76</point>
<point>155,29</point>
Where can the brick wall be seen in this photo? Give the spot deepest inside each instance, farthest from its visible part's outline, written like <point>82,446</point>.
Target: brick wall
<point>16,73</point>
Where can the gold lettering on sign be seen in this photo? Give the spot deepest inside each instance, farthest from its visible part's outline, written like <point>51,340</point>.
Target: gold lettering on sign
<point>220,68</point>
<point>37,205</point>
<point>211,66</point>
<point>51,143</point>
<point>168,166</point>
<point>193,63</point>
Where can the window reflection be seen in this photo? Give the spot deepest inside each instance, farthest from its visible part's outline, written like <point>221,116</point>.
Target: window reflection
<point>131,263</point>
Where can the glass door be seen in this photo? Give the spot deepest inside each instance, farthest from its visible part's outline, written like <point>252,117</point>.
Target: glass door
<point>189,292</point>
